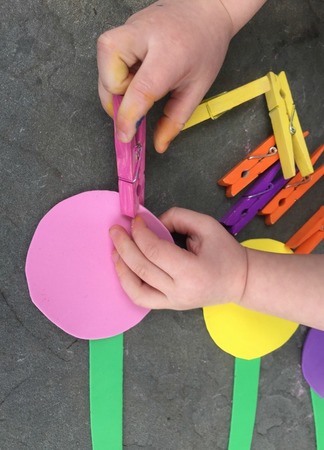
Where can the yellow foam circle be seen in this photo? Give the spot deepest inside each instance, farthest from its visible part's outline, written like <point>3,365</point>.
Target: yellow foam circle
<point>244,333</point>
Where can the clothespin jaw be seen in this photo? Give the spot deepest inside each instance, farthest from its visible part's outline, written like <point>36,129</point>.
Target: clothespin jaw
<point>255,163</point>
<point>251,167</point>
<point>130,166</point>
<point>294,189</point>
<point>254,199</point>
<point>286,127</point>
<point>214,107</point>
<point>309,235</point>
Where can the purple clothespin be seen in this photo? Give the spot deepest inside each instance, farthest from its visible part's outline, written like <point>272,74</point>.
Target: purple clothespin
<point>255,198</point>
<point>130,166</point>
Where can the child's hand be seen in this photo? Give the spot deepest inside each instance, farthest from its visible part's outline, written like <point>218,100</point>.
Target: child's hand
<point>160,275</point>
<point>175,46</point>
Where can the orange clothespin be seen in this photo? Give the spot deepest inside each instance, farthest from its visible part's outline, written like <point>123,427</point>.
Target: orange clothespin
<point>253,165</point>
<point>309,235</point>
<point>293,190</point>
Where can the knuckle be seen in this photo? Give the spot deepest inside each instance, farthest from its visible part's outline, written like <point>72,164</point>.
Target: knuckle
<point>106,42</point>
<point>151,252</point>
<point>173,210</point>
<point>105,85</point>
<point>141,271</point>
<point>144,88</point>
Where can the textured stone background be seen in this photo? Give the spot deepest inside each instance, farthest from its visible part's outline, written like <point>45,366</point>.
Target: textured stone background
<point>56,141</point>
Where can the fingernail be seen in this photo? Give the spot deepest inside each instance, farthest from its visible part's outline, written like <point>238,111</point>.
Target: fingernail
<point>113,232</point>
<point>138,123</point>
<point>123,137</point>
<point>137,220</point>
<point>163,147</point>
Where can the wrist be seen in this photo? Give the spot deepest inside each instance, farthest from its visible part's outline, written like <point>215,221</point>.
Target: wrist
<point>239,16</point>
<point>243,277</point>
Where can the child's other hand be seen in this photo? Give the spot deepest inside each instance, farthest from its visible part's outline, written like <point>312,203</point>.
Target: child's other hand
<point>160,275</point>
<point>175,46</point>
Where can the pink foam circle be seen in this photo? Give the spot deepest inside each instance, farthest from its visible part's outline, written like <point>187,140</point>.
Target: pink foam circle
<point>70,272</point>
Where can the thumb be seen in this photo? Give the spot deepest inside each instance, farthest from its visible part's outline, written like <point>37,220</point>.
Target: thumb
<point>151,82</point>
<point>189,223</point>
<point>185,221</point>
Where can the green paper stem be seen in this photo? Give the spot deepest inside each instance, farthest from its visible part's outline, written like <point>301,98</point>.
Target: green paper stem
<point>245,400</point>
<point>318,409</point>
<point>106,393</point>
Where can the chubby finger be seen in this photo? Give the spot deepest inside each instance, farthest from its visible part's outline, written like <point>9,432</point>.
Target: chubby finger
<point>115,60</point>
<point>185,221</point>
<point>153,80</point>
<point>134,259</point>
<point>106,99</point>
<point>137,290</point>
<point>177,111</point>
<point>200,229</point>
<point>166,255</point>
<point>165,131</point>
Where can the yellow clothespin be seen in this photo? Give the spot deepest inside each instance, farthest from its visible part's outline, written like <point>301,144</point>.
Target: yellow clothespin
<point>214,107</point>
<point>288,133</point>
<point>286,127</point>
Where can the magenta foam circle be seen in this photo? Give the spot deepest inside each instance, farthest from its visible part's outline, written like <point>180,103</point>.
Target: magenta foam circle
<point>69,269</point>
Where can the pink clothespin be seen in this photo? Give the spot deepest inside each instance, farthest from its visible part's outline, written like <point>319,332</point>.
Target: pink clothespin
<point>130,166</point>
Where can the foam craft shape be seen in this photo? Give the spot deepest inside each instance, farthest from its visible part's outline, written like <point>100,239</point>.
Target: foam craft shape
<point>313,371</point>
<point>69,269</point>
<point>244,403</point>
<point>106,392</point>
<point>244,333</point>
<point>313,360</point>
<point>318,409</point>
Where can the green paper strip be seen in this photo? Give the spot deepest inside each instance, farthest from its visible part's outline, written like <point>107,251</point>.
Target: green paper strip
<point>245,400</point>
<point>106,393</point>
<point>318,409</point>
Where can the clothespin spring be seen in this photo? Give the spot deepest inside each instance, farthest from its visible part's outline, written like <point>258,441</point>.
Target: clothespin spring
<point>269,188</point>
<point>292,129</point>
<point>137,167</point>
<point>272,151</point>
<point>304,180</point>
